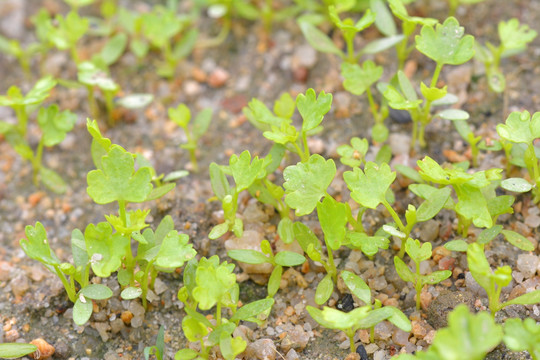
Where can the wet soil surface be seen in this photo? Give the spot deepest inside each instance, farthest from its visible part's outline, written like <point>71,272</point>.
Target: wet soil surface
<point>248,64</point>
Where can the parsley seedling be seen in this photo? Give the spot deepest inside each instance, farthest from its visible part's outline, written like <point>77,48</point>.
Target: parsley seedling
<point>418,254</point>
<point>514,38</point>
<point>209,283</point>
<point>446,44</point>
<point>266,255</point>
<point>493,281</point>
<point>181,116</point>
<point>65,32</point>
<point>522,335</point>
<point>23,55</point>
<point>36,246</point>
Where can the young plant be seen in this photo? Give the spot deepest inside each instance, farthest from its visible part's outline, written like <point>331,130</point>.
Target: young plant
<point>522,335</point>
<point>363,317</point>
<point>54,126</point>
<point>65,32</point>
<point>520,128</point>
<point>16,350</point>
<point>181,116</point>
<point>349,29</point>
<point>514,38</point>
<point>207,283</point>
<point>23,55</point>
<point>418,254</point>
<point>468,336</point>
<point>409,24</point>
<point>73,276</point>
<point>358,79</point>
<point>445,45</point>
<point>158,349</point>
<point>493,281</point>
<point>371,187</point>
<point>266,255</point>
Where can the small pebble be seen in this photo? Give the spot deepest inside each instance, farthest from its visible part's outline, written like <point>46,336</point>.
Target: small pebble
<point>371,348</point>
<point>292,355</point>
<point>400,337</point>
<point>527,264</point>
<point>263,349</point>
<point>44,351</point>
<point>218,77</point>
<point>360,350</point>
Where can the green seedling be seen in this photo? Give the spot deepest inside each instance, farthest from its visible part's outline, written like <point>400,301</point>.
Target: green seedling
<point>358,80</point>
<point>445,44</point>
<point>520,128</point>
<point>64,32</point>
<point>418,253</point>
<point>160,27</point>
<point>181,116</point>
<point>522,335</point>
<point>409,24</point>
<point>131,23</point>
<point>361,290</point>
<point>16,350</point>
<point>353,155</point>
<point>73,276</point>
<point>513,38</point>
<point>349,29</point>
<point>477,202</point>
<point>363,317</point>
<point>23,55</point>
<point>493,281</point>
<point>468,336</point>
<point>207,283</point>
<point>278,126</point>
<point>161,181</point>
<point>266,255</point>
<point>54,126</point>
<point>371,187</point>
<point>157,350</point>
<point>467,134</point>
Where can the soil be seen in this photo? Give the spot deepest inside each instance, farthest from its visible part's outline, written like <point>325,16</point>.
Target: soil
<point>33,303</point>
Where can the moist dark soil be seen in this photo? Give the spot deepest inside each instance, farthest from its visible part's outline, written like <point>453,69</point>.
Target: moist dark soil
<point>255,64</point>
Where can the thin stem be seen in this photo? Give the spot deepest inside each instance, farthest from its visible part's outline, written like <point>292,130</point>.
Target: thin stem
<point>350,50</point>
<point>218,314</point>
<point>70,290</point>
<point>394,215</point>
<point>373,106</point>
<point>36,162</point>
<point>331,264</point>
<point>306,148</point>
<point>92,103</point>
<point>220,38</point>
<point>144,283</point>
<point>193,159</point>
<point>22,117</point>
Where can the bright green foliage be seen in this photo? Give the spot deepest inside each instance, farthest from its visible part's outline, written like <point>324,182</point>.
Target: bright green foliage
<point>181,115</point>
<point>493,281</point>
<point>349,29</point>
<point>369,187</point>
<point>306,182</point>
<point>105,249</point>
<point>514,38</point>
<point>353,155</point>
<point>358,79</point>
<point>36,246</point>
<point>65,32</point>
<point>522,335</point>
<point>159,349</point>
<point>16,350</point>
<point>278,261</point>
<point>418,254</point>
<point>208,283</point>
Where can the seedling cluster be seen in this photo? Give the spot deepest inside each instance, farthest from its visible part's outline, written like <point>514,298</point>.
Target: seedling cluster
<point>294,181</point>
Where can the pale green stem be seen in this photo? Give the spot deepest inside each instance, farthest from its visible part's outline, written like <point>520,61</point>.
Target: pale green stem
<point>70,290</point>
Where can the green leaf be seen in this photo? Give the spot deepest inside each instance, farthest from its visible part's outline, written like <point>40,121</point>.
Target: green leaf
<point>457,245</point>
<point>518,240</point>
<point>16,350</point>
<point>399,10</point>
<point>219,182</point>
<point>397,101</point>
<point>479,266</point>
<point>520,128</point>
<point>52,180</point>
<point>105,249</point>
<point>369,245</point>
<point>252,310</point>
<point>96,292</point>
<point>193,329</point>
<point>383,17</point>
<point>518,185</point>
<point>334,319</point>
<point>160,191</point>
<point>453,114</point>
<point>433,205</point>
<point>219,230</point>
<point>399,319</point>
<point>333,219</point>
<point>416,251</point>
<point>324,290</point>
<point>369,187</point>
<point>358,79</point>
<point>357,286</point>
<point>36,245</point>
<point>473,205</point>
<point>78,248</point>
<point>436,277</point>
<point>306,183</point>
<point>82,310</point>
<point>312,108</point>
<point>131,293</point>
<point>114,48</point>
<point>230,347</point>
<point>248,256</point>
<point>432,93</point>
<point>318,39</point>
<point>446,44</point>
<point>118,181</point>
<point>382,44</point>
<point>214,282</point>
<point>274,281</point>
<point>286,230</point>
<point>135,101</point>
<point>289,258</point>
<point>403,270</point>
<point>406,86</point>
<point>201,123</point>
<point>284,106</point>
<point>185,354</point>
<point>181,115</point>
<point>54,124</point>
<point>305,237</point>
<point>522,335</point>
<point>467,336</point>
<point>135,221</point>
<point>489,234</point>
<point>515,36</point>
<point>244,171</point>
<point>174,251</point>
<point>354,154</point>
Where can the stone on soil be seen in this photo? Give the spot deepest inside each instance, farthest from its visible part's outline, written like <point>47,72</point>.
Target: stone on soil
<point>263,349</point>
<point>527,264</point>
